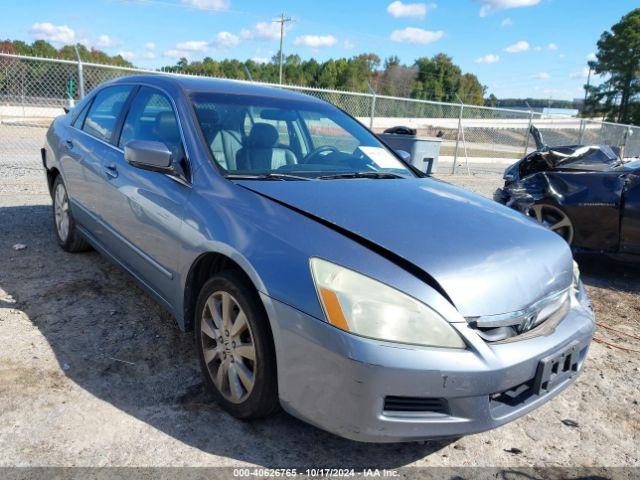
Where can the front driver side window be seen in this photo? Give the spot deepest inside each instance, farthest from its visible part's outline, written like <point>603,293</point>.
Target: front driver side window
<point>151,117</point>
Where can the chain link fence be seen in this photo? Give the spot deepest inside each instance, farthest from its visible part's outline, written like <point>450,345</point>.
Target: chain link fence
<point>479,139</point>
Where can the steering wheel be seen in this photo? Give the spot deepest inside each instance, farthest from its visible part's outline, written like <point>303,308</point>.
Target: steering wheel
<point>317,151</point>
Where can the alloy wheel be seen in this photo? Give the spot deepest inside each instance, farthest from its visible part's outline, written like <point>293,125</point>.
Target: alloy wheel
<point>228,347</point>
<point>61,211</point>
<point>553,218</point>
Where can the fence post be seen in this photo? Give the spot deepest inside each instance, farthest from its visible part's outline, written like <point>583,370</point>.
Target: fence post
<point>528,133</point>
<point>80,74</point>
<point>22,92</point>
<point>625,137</point>
<point>583,125</point>
<point>455,155</point>
<point>373,106</point>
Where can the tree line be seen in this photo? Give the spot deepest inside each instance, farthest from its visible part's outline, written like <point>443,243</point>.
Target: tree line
<point>436,78</point>
<point>42,48</point>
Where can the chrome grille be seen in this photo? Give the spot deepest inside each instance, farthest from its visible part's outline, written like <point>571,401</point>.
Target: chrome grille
<point>526,323</point>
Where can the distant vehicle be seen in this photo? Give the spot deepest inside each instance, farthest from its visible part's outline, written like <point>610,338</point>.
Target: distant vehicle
<point>587,194</point>
<point>317,270</point>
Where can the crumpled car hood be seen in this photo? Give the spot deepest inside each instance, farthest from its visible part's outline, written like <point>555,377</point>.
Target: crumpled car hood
<point>488,258</point>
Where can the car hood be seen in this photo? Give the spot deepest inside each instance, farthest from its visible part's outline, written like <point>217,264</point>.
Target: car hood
<point>488,258</point>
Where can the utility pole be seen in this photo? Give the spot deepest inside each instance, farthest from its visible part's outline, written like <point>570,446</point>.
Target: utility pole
<point>282,20</point>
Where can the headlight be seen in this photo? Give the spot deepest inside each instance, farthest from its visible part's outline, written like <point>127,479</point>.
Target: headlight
<point>362,306</point>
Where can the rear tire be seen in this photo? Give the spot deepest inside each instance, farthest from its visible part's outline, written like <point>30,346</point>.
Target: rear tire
<point>235,347</point>
<point>69,238</point>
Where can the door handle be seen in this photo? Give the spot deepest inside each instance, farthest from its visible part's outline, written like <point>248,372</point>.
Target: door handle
<point>69,143</point>
<point>111,170</point>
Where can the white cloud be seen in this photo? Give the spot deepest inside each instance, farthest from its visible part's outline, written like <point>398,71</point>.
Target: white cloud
<point>416,36</point>
<point>149,50</point>
<point>127,55</point>
<point>491,6</point>
<point>174,53</point>
<point>584,73</point>
<point>552,46</point>
<point>507,22</point>
<point>488,58</point>
<point>217,5</point>
<point>262,31</point>
<point>348,45</point>
<point>226,40</point>
<point>541,76</point>
<point>537,48</point>
<point>521,46</point>
<point>185,49</point>
<point>315,41</point>
<point>105,41</point>
<point>52,33</point>
<point>592,57</point>
<point>398,9</point>
<point>192,46</point>
<point>260,59</point>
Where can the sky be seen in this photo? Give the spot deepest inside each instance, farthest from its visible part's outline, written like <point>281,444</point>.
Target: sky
<point>517,48</point>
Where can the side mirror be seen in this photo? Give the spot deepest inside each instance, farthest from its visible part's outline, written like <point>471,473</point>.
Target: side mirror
<point>404,155</point>
<point>148,155</point>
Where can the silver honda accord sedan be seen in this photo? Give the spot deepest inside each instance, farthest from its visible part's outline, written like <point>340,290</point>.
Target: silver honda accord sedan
<point>317,270</point>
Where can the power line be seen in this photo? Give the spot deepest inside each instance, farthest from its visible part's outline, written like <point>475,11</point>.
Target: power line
<point>282,20</point>
<point>187,6</point>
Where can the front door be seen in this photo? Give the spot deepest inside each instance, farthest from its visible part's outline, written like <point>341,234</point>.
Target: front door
<point>142,209</point>
<point>630,225</point>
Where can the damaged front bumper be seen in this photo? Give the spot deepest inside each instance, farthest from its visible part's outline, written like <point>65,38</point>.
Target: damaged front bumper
<point>375,391</point>
<point>515,197</point>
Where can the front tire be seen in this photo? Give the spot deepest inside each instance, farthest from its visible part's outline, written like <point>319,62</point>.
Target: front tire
<point>235,347</point>
<point>69,238</point>
<point>554,218</point>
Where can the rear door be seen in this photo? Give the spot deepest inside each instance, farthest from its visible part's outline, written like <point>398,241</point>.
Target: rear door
<point>630,226</point>
<point>89,146</point>
<point>142,209</point>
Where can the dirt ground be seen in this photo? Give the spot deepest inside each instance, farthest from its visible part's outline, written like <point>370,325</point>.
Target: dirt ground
<point>93,373</point>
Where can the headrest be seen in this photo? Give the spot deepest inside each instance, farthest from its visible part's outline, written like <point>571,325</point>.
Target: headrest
<point>209,117</point>
<point>166,127</point>
<point>116,108</point>
<point>263,135</point>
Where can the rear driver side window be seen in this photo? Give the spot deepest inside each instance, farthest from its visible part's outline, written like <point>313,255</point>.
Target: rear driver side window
<point>104,112</point>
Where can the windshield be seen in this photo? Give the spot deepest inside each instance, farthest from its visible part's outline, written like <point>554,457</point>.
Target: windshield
<point>267,137</point>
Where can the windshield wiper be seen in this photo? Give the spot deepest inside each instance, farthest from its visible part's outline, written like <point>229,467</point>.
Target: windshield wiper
<point>375,175</point>
<point>266,176</point>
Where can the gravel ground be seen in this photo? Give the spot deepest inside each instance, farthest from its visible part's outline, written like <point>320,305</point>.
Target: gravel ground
<point>93,373</point>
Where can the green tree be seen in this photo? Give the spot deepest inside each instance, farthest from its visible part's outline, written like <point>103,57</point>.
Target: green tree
<point>440,78</point>
<point>471,90</point>
<point>618,58</point>
<point>41,48</point>
<point>328,76</point>
<point>491,101</point>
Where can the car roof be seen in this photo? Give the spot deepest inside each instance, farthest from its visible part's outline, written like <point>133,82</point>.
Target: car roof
<point>191,84</point>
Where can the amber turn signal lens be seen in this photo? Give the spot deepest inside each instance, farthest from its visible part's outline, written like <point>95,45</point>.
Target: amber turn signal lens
<point>333,309</point>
